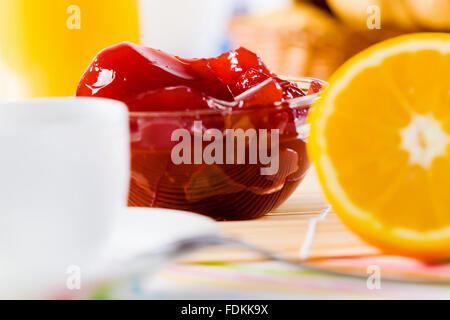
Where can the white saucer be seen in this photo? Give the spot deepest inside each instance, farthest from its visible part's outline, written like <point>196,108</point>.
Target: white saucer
<point>142,230</point>
<point>137,231</point>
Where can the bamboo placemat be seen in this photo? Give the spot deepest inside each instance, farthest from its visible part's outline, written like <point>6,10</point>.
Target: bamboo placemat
<point>285,231</point>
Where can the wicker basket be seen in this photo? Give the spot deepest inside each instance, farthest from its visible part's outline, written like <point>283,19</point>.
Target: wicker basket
<point>303,40</point>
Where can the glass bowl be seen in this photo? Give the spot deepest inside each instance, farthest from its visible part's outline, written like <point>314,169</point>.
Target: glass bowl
<point>228,165</point>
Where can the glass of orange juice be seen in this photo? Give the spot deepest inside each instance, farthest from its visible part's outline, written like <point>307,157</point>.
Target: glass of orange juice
<point>46,45</point>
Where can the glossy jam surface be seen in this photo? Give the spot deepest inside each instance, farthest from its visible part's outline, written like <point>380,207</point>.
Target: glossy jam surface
<point>242,94</point>
<point>151,80</point>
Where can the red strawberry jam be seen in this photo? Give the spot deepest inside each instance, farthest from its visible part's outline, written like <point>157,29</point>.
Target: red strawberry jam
<point>125,70</point>
<point>267,92</point>
<point>247,80</point>
<point>168,99</point>
<point>208,99</point>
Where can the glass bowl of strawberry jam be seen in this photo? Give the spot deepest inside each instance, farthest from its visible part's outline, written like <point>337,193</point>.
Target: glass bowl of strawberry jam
<point>224,136</point>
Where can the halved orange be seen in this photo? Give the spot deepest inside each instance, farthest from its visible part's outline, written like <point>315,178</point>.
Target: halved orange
<point>380,140</point>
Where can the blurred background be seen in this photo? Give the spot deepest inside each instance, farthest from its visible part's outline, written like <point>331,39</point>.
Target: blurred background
<point>46,45</point>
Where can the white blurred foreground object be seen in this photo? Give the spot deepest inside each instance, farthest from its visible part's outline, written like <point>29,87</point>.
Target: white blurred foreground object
<point>191,29</point>
<point>64,171</point>
<point>142,241</point>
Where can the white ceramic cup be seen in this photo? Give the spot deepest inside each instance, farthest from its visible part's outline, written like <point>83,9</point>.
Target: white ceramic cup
<point>64,176</point>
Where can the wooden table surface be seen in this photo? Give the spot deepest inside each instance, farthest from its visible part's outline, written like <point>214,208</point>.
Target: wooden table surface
<point>286,230</point>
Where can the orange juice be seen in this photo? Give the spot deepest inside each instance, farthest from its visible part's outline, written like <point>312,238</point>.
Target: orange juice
<point>46,45</point>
